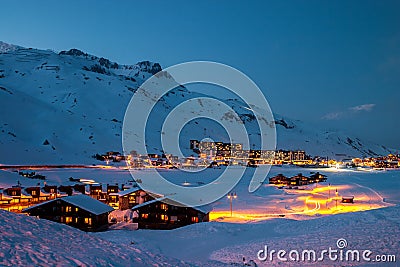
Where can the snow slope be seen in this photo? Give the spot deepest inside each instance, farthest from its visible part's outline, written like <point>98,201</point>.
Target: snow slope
<point>225,244</point>
<point>28,241</point>
<point>66,107</point>
<point>215,243</point>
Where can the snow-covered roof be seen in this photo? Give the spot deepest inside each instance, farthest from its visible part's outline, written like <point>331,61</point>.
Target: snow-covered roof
<point>43,193</point>
<point>148,202</point>
<point>6,197</point>
<point>24,194</point>
<point>88,203</point>
<point>204,209</point>
<point>128,191</point>
<point>82,201</point>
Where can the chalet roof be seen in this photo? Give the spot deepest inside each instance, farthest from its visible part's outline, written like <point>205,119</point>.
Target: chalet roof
<point>204,209</point>
<point>347,197</point>
<point>24,194</point>
<point>6,197</point>
<point>43,193</point>
<point>147,203</point>
<point>82,201</point>
<point>279,176</point>
<point>318,174</point>
<point>128,191</point>
<point>88,203</point>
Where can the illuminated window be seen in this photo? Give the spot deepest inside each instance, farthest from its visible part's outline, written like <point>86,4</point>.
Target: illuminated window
<point>164,206</point>
<point>164,217</point>
<point>68,209</point>
<point>68,219</point>
<point>76,209</point>
<point>88,221</point>
<point>33,193</point>
<point>195,219</point>
<point>145,215</point>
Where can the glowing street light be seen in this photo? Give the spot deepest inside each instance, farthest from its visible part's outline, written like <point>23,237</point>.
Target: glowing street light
<point>329,190</point>
<point>231,196</point>
<point>337,196</point>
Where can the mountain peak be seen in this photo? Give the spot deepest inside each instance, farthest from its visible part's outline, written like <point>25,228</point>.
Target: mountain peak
<point>5,47</point>
<point>150,67</point>
<point>145,66</point>
<point>73,52</point>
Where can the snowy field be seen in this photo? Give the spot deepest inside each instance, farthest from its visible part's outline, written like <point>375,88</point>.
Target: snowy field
<point>226,240</point>
<point>311,220</point>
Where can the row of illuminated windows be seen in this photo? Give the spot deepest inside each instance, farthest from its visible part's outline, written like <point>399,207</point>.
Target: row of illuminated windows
<point>131,198</point>
<point>69,209</point>
<point>165,217</point>
<point>17,200</point>
<point>67,220</point>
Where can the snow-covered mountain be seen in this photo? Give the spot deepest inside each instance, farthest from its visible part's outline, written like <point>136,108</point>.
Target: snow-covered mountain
<point>65,107</point>
<point>4,47</point>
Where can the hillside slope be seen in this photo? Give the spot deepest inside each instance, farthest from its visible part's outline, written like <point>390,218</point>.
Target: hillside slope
<point>65,107</point>
<point>27,241</point>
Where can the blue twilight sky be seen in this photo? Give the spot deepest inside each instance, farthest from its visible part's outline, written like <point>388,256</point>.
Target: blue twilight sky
<point>335,63</point>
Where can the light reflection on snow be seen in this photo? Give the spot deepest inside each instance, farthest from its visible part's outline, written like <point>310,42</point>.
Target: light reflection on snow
<point>321,200</point>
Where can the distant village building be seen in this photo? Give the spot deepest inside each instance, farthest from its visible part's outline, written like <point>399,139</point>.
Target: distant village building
<point>289,155</point>
<point>17,198</point>
<point>129,198</point>
<point>254,154</point>
<point>52,189</point>
<point>317,178</point>
<point>79,211</point>
<point>38,195</point>
<point>96,192</point>
<point>194,144</point>
<point>348,199</point>
<point>14,199</point>
<point>223,149</point>
<point>279,179</point>
<point>218,149</point>
<point>72,189</point>
<point>156,214</point>
<point>297,180</point>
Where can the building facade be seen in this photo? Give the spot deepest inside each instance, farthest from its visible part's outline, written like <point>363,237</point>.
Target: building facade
<point>79,211</point>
